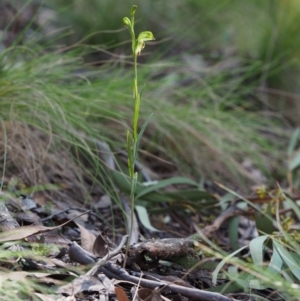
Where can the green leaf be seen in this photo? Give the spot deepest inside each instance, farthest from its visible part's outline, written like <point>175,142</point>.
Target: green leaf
<point>140,135</point>
<point>292,204</point>
<point>164,183</point>
<point>133,185</point>
<point>225,288</point>
<point>288,259</point>
<point>293,142</point>
<point>233,232</point>
<point>223,262</point>
<point>129,155</point>
<point>202,198</point>
<point>240,278</point>
<point>257,284</point>
<point>193,195</point>
<point>294,162</point>
<point>142,90</point>
<point>226,199</point>
<point>256,247</point>
<point>123,182</point>
<point>276,262</point>
<point>144,218</point>
<point>264,222</point>
<point>296,257</point>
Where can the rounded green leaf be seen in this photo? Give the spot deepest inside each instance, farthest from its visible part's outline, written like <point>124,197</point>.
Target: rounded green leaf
<point>288,259</point>
<point>144,217</point>
<point>257,249</point>
<point>294,162</point>
<point>223,262</point>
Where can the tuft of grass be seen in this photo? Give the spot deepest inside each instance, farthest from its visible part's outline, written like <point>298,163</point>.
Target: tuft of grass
<point>44,113</point>
<point>197,129</point>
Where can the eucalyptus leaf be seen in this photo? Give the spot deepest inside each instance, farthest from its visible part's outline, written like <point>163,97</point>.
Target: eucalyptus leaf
<point>164,183</point>
<point>202,198</point>
<point>144,218</point>
<point>238,278</point>
<point>296,257</point>
<point>295,161</point>
<point>233,232</point>
<point>276,262</point>
<point>123,182</point>
<point>258,284</point>
<point>223,262</point>
<point>235,276</point>
<point>288,259</point>
<point>292,204</point>
<point>193,195</point>
<point>225,288</point>
<point>293,141</point>
<point>256,247</point>
<point>264,222</point>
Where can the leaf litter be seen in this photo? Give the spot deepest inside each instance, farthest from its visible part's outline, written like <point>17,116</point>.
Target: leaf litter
<point>63,248</point>
<point>97,254</point>
<point>77,248</point>
<point>31,237</point>
<point>90,261</point>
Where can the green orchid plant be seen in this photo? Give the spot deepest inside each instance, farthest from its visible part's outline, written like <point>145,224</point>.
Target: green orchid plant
<point>133,138</point>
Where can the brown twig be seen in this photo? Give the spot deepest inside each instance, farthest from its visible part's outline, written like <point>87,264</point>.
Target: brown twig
<point>173,248</point>
<point>95,269</point>
<point>114,271</point>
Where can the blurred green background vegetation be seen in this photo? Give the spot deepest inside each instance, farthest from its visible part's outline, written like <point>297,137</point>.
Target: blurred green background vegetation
<point>221,79</point>
<point>266,31</point>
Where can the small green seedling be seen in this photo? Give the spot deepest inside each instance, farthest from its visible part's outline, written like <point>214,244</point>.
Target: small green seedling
<point>133,138</point>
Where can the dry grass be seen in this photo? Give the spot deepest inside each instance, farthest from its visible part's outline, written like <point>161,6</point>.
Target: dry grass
<point>38,159</point>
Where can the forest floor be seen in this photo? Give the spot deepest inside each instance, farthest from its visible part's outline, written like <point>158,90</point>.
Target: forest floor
<point>215,213</point>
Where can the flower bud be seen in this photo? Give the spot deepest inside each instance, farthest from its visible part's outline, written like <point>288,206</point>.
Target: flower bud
<point>126,22</point>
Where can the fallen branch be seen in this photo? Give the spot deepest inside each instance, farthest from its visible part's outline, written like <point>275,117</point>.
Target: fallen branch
<point>114,271</point>
<point>172,249</point>
<point>95,269</point>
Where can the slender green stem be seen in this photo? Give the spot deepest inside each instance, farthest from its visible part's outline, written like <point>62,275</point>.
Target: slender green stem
<point>134,141</point>
<point>136,102</point>
<point>132,137</point>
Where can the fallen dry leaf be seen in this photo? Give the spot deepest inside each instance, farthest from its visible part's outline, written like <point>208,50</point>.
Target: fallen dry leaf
<point>23,232</point>
<point>100,246</point>
<point>146,294</point>
<point>20,275</point>
<point>87,238</point>
<point>46,297</point>
<point>121,295</point>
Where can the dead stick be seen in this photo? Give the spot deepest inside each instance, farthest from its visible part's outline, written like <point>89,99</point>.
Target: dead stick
<point>114,271</point>
<point>94,270</point>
